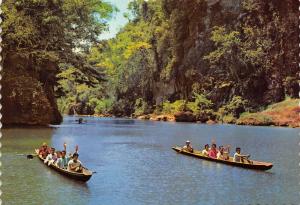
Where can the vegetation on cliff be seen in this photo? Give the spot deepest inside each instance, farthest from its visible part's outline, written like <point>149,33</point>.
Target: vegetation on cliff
<point>208,60</point>
<point>41,38</point>
<point>216,59</point>
<point>285,113</point>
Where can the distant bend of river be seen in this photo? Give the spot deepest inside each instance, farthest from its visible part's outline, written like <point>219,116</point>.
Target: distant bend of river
<point>135,164</point>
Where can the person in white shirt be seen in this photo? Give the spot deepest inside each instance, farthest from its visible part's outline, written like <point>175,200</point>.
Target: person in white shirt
<point>188,147</point>
<point>51,158</point>
<point>220,153</point>
<point>206,150</point>
<point>63,160</point>
<point>74,164</point>
<point>238,157</point>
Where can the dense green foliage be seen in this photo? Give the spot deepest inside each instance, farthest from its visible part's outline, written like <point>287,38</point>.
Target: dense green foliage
<point>45,37</point>
<point>52,30</point>
<point>213,60</point>
<point>216,59</point>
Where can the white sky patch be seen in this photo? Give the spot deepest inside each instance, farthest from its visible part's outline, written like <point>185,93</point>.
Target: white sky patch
<point>118,20</point>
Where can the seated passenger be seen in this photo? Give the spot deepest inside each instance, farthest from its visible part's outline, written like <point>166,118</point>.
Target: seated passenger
<point>51,158</point>
<point>74,164</point>
<point>188,147</point>
<point>238,157</point>
<point>220,154</point>
<point>226,152</point>
<point>62,162</point>
<point>206,150</point>
<point>44,150</point>
<point>58,155</point>
<point>213,151</point>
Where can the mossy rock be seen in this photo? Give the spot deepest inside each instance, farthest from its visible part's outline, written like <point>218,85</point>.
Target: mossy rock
<point>256,119</point>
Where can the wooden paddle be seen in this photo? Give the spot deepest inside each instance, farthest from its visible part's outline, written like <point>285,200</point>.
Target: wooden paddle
<point>28,156</point>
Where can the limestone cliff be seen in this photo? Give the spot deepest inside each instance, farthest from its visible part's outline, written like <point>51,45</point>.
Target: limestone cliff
<point>26,98</point>
<point>191,23</point>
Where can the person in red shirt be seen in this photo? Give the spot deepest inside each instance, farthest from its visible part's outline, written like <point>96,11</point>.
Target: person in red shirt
<point>213,151</point>
<point>44,150</point>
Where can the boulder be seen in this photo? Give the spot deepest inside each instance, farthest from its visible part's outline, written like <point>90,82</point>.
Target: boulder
<point>169,118</point>
<point>143,117</point>
<point>185,117</point>
<point>211,122</point>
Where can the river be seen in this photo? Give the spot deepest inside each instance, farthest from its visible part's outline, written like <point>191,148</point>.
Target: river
<point>136,165</point>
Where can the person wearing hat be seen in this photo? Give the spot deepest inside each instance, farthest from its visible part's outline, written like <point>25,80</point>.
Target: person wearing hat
<point>74,164</point>
<point>44,150</point>
<point>188,147</point>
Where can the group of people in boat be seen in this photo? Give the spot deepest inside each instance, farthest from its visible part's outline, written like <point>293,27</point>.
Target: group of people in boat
<point>221,153</point>
<point>61,159</point>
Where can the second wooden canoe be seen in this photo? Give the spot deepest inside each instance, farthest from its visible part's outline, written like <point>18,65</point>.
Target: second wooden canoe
<point>254,165</point>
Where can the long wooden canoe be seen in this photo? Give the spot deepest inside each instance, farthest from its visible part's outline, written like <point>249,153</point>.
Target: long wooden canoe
<point>84,176</point>
<point>254,165</point>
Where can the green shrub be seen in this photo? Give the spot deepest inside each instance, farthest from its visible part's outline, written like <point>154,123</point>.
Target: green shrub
<point>193,107</point>
<point>235,107</point>
<point>179,105</point>
<point>141,107</point>
<point>202,102</point>
<point>172,108</point>
<point>230,119</point>
<point>101,106</point>
<point>64,104</point>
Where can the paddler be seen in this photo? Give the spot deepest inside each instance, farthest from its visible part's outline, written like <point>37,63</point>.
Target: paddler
<point>238,157</point>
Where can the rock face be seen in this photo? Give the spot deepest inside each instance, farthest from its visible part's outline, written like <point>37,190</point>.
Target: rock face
<point>26,100</point>
<point>191,23</point>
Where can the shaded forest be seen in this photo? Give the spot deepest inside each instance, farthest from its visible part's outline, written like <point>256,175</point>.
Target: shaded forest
<point>199,60</point>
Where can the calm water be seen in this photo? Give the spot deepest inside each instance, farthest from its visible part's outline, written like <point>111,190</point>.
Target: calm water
<point>136,165</point>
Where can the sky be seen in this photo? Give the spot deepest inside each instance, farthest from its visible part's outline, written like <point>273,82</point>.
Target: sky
<point>118,20</point>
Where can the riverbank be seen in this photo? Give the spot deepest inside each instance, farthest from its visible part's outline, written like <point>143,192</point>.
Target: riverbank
<point>285,113</point>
